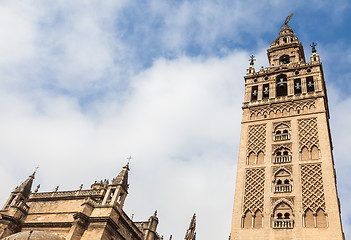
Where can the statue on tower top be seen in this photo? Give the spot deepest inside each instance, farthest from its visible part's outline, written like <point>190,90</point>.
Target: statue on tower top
<point>287,19</point>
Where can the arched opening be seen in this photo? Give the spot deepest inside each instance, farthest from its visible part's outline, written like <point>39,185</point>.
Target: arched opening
<point>321,219</point>
<point>252,158</point>
<point>282,182</point>
<point>315,153</point>
<point>310,84</point>
<point>305,155</point>
<point>265,91</point>
<point>282,216</point>
<point>248,220</point>
<point>285,113</point>
<point>281,85</point>
<point>258,219</point>
<point>309,219</point>
<point>281,132</point>
<point>282,155</point>
<point>260,158</point>
<point>297,86</point>
<point>254,93</point>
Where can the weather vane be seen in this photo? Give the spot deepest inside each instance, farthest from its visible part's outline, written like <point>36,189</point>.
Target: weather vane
<point>287,19</point>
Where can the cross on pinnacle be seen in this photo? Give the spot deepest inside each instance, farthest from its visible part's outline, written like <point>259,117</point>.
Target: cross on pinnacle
<point>129,158</point>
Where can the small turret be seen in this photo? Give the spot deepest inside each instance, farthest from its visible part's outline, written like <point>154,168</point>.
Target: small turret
<point>190,233</point>
<point>150,231</point>
<point>118,189</point>
<point>15,209</point>
<point>21,193</point>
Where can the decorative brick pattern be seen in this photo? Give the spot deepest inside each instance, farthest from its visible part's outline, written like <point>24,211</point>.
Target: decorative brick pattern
<point>257,139</point>
<point>312,187</point>
<point>254,190</point>
<point>308,133</point>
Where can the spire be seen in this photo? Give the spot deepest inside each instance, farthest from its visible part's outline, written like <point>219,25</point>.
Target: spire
<point>26,187</point>
<point>190,233</point>
<point>122,178</point>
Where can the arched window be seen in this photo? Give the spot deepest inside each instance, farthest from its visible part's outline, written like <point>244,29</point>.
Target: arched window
<point>305,154</point>
<point>247,219</point>
<point>282,155</point>
<point>260,158</point>
<point>281,85</point>
<point>321,219</point>
<point>282,216</point>
<point>315,153</point>
<point>310,84</point>
<point>252,158</point>
<point>309,219</point>
<point>281,132</point>
<point>258,219</point>
<point>282,182</point>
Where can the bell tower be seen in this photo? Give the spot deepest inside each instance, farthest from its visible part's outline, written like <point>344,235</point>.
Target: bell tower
<point>286,183</point>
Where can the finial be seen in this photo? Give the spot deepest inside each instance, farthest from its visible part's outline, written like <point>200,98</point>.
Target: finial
<point>56,188</point>
<point>314,47</point>
<point>35,171</point>
<point>252,59</point>
<point>170,237</point>
<point>37,189</point>
<point>80,187</point>
<point>155,213</point>
<point>132,217</point>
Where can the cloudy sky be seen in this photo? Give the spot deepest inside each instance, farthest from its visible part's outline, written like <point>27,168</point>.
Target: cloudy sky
<point>85,84</point>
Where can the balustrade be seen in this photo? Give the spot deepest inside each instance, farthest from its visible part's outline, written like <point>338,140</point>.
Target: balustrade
<point>282,188</point>
<point>282,136</point>
<point>282,159</point>
<point>283,223</point>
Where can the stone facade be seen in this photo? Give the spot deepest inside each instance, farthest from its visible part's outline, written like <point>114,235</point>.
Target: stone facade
<point>285,185</point>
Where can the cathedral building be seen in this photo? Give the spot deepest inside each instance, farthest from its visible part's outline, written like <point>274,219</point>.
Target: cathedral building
<point>83,214</point>
<point>95,213</point>
<point>286,183</point>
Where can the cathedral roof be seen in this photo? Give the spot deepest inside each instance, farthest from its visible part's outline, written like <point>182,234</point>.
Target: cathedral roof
<point>33,235</point>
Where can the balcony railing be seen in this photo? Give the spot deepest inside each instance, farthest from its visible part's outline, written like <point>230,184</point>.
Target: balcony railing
<point>282,159</point>
<point>283,223</point>
<point>281,137</point>
<point>281,188</point>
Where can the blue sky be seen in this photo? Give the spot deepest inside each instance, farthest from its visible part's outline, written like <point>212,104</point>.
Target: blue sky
<point>85,84</point>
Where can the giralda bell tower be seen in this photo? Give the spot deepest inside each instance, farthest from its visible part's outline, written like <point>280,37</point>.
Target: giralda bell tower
<point>286,183</point>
